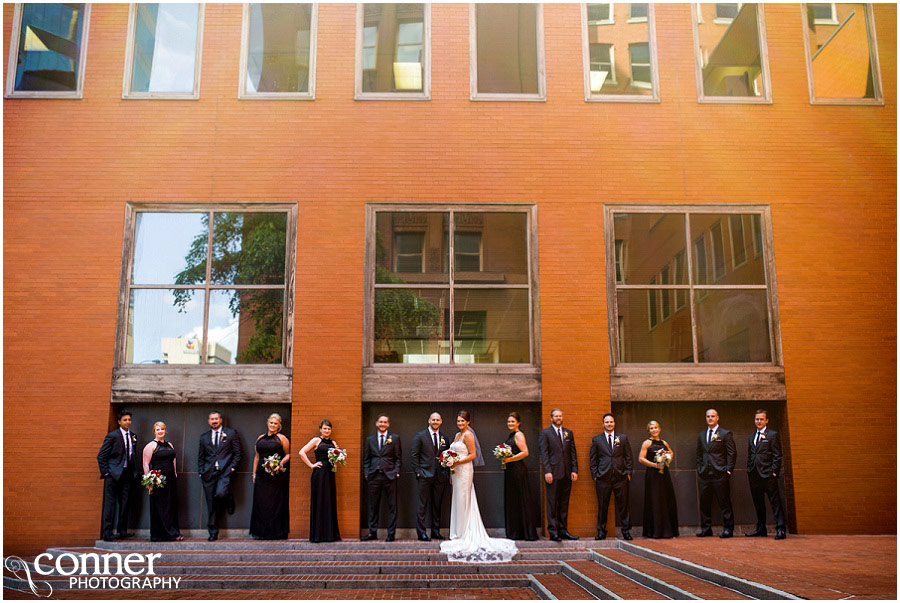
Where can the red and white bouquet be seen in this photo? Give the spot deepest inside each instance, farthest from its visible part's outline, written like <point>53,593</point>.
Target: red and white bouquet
<point>663,456</point>
<point>272,464</point>
<point>448,459</point>
<point>337,456</point>
<point>503,451</point>
<point>153,479</point>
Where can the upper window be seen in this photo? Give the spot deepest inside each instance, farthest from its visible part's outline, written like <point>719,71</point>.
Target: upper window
<point>630,38</point>
<point>278,53</point>
<point>450,285</point>
<point>731,54</point>
<point>393,51</point>
<point>841,54</point>
<point>506,49</point>
<point>47,49</point>
<point>696,308</point>
<point>163,51</point>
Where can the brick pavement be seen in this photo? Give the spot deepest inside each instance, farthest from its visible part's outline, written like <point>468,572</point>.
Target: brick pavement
<point>563,588</point>
<point>466,594</point>
<point>617,583</point>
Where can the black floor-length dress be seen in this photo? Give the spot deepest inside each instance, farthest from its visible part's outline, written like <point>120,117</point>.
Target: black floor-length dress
<point>164,501</point>
<point>323,519</point>
<point>518,499</point>
<point>660,508</point>
<point>270,516</point>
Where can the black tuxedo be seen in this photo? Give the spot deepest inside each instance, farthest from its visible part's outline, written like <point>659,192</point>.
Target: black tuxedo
<point>715,463</point>
<point>119,470</point>
<point>559,459</point>
<point>611,468</point>
<point>216,465</point>
<point>763,470</point>
<point>431,478</point>
<point>381,468</point>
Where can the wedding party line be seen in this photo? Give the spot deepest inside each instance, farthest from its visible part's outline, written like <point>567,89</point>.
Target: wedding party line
<point>442,464</point>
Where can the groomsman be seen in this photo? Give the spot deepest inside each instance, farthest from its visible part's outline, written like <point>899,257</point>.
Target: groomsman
<point>218,458</point>
<point>119,467</point>
<point>433,480</point>
<point>763,469</point>
<point>611,467</point>
<point>716,456</point>
<point>381,467</point>
<point>557,445</point>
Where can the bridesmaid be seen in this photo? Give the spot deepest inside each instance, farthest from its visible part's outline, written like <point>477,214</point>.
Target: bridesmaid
<point>660,508</point>
<point>160,455</point>
<point>270,517</point>
<point>323,521</point>
<point>518,499</point>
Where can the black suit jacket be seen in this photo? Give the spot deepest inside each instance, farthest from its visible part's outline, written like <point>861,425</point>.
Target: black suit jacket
<point>113,453</point>
<point>558,458</point>
<point>764,459</point>
<point>387,459</point>
<point>718,458</point>
<point>228,453</point>
<point>617,459</point>
<point>424,458</point>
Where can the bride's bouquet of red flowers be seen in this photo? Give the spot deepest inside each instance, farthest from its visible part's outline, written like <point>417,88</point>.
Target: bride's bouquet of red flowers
<point>503,451</point>
<point>448,459</point>
<point>272,464</point>
<point>153,479</point>
<point>337,456</point>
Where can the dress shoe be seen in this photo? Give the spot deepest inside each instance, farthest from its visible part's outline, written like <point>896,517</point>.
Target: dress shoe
<point>705,533</point>
<point>726,534</point>
<point>780,535</point>
<point>390,538</point>
<point>424,538</point>
<point>109,538</point>
<point>627,536</point>
<point>369,536</point>
<point>122,535</point>
<point>213,537</point>
<point>756,534</point>
<point>600,536</point>
<point>566,536</point>
<point>555,537</point>
<point>436,536</point>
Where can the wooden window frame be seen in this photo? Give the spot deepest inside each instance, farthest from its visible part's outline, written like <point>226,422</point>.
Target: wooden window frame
<point>128,94</point>
<point>245,49</point>
<point>461,382</point>
<point>425,94</point>
<point>740,221</point>
<point>766,97</point>
<point>676,381</point>
<point>205,383</point>
<point>878,101</point>
<point>475,95</point>
<point>596,97</point>
<point>11,70</point>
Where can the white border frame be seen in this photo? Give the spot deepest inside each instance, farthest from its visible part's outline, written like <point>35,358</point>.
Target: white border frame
<point>245,48</point>
<point>11,70</point>
<point>474,95</point>
<point>425,94</point>
<point>830,21</point>
<point>127,94</point>
<point>592,97</point>
<point>612,15</point>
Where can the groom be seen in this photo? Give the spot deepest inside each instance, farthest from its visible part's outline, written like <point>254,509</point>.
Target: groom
<point>433,480</point>
<point>218,456</point>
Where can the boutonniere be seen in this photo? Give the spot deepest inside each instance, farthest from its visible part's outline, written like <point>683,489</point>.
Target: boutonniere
<point>443,441</point>
<point>616,441</point>
<point>762,436</point>
<point>566,436</point>
<point>133,438</point>
<point>222,439</point>
<point>715,436</point>
<point>388,440</point>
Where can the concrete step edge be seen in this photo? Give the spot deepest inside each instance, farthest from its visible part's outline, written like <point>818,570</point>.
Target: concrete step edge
<point>664,588</point>
<point>540,590</point>
<point>596,590</point>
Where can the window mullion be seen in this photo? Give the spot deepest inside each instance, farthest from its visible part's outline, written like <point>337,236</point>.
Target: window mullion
<point>690,268</point>
<point>452,267</point>
<point>207,290</point>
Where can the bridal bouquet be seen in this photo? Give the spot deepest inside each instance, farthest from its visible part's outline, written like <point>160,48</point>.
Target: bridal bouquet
<point>663,456</point>
<point>153,479</point>
<point>337,456</point>
<point>272,464</point>
<point>503,452</point>
<point>448,459</point>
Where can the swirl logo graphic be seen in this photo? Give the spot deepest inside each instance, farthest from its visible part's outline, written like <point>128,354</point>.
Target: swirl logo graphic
<point>16,565</point>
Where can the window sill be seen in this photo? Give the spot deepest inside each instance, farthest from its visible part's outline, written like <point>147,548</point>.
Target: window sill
<point>262,384</point>
<point>677,382</point>
<point>431,383</point>
<point>43,94</point>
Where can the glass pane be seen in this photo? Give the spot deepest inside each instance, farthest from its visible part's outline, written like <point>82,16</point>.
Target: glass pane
<point>165,326</point>
<point>491,248</point>
<point>639,10</point>
<point>730,48</point>
<point>733,326</point>
<point>245,326</point>
<point>645,335</point>
<point>165,47</point>
<point>249,248</point>
<point>840,47</point>
<point>411,326</point>
<point>649,242</point>
<point>723,250</point>
<point>393,47</point>
<point>491,326</point>
<point>410,248</point>
<point>49,47</point>
<point>507,48</point>
<point>615,48</point>
<point>170,248</point>
<point>598,12</point>
<point>278,49</point>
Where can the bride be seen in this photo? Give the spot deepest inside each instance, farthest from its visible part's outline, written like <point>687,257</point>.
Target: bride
<point>469,540</point>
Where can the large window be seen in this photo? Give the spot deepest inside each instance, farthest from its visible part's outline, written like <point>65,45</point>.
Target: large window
<point>619,52</point>
<point>393,51</point>
<point>163,51</point>
<point>842,54</point>
<point>47,50</point>
<point>506,49</point>
<point>278,51</point>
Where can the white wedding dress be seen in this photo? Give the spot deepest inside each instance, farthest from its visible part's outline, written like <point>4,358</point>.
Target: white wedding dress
<point>469,541</point>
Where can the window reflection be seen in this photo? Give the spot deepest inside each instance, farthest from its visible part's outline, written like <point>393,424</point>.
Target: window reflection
<point>278,57</point>
<point>49,51</point>
<point>165,47</point>
<point>730,50</point>
<point>393,47</point>
<point>618,43</point>
<point>507,48</point>
<point>840,51</point>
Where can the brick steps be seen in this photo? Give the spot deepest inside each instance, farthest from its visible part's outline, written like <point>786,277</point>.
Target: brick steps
<point>431,594</point>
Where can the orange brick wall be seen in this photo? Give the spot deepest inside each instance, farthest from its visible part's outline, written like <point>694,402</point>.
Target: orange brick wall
<point>827,171</point>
